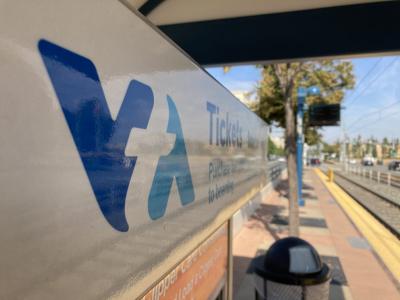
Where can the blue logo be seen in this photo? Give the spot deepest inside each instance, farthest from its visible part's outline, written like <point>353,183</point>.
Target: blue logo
<point>101,141</point>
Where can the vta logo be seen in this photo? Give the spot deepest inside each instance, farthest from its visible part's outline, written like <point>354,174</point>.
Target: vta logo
<point>101,141</point>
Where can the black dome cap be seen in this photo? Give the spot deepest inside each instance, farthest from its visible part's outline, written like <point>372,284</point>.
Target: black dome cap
<point>293,261</point>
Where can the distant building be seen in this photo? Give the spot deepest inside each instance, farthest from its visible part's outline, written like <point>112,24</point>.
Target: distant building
<point>350,150</point>
<point>386,151</point>
<point>363,149</point>
<point>378,149</point>
<point>398,151</point>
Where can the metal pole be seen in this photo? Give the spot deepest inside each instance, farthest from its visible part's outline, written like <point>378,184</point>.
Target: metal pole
<point>300,114</point>
<point>229,289</point>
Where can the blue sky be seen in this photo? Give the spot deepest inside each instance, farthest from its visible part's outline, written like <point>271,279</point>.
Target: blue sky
<point>372,108</point>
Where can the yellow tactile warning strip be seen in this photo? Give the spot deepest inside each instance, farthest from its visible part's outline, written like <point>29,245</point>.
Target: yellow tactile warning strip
<point>385,244</point>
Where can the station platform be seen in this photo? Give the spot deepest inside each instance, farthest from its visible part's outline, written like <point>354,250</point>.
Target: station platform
<point>361,270</point>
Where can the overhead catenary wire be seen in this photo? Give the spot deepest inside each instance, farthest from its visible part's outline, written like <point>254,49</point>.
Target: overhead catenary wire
<point>372,82</point>
<point>362,117</point>
<point>369,85</point>
<point>376,121</point>
<point>366,76</point>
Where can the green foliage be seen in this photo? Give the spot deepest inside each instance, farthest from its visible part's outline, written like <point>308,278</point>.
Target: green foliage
<point>374,153</point>
<point>277,104</point>
<point>274,149</point>
<point>357,147</point>
<point>312,136</point>
<point>280,82</point>
<point>385,141</point>
<point>331,148</point>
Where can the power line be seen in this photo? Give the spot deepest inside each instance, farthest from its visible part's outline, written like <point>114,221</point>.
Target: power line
<point>372,82</point>
<point>372,113</point>
<point>380,119</point>
<point>366,75</point>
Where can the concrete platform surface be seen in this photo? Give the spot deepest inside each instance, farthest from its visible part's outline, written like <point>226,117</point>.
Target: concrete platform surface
<point>358,273</point>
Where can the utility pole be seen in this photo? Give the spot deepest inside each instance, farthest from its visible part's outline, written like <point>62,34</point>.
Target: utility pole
<point>341,158</point>
<point>343,154</point>
<point>301,96</point>
<point>301,99</point>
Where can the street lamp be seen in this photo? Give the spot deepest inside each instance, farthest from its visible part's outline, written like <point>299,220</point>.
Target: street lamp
<point>302,93</point>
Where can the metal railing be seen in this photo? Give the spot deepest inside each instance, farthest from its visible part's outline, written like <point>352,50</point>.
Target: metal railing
<point>275,170</point>
<point>388,178</point>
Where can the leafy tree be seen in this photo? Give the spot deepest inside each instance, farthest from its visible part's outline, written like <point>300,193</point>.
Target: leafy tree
<point>385,141</point>
<point>331,149</point>
<point>277,93</point>
<point>274,149</point>
<point>357,149</point>
<point>374,152</point>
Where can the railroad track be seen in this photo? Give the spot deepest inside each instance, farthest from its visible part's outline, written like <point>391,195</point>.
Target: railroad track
<point>382,208</point>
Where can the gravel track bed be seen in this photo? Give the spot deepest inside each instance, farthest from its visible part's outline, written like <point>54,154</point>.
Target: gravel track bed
<point>391,193</point>
<point>383,209</point>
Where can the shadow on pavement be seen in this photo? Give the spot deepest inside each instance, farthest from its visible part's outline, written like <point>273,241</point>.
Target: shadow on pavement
<point>264,215</point>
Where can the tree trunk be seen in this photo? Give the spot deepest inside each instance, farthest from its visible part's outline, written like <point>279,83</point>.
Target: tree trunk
<point>290,136</point>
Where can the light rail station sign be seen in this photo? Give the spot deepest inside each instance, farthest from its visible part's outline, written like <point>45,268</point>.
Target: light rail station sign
<point>119,154</point>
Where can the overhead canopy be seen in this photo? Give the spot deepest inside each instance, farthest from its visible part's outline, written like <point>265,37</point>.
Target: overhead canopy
<point>220,32</point>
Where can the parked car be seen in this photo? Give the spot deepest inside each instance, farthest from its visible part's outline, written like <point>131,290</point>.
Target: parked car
<point>367,162</point>
<point>394,165</point>
<point>352,161</point>
<point>315,162</point>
